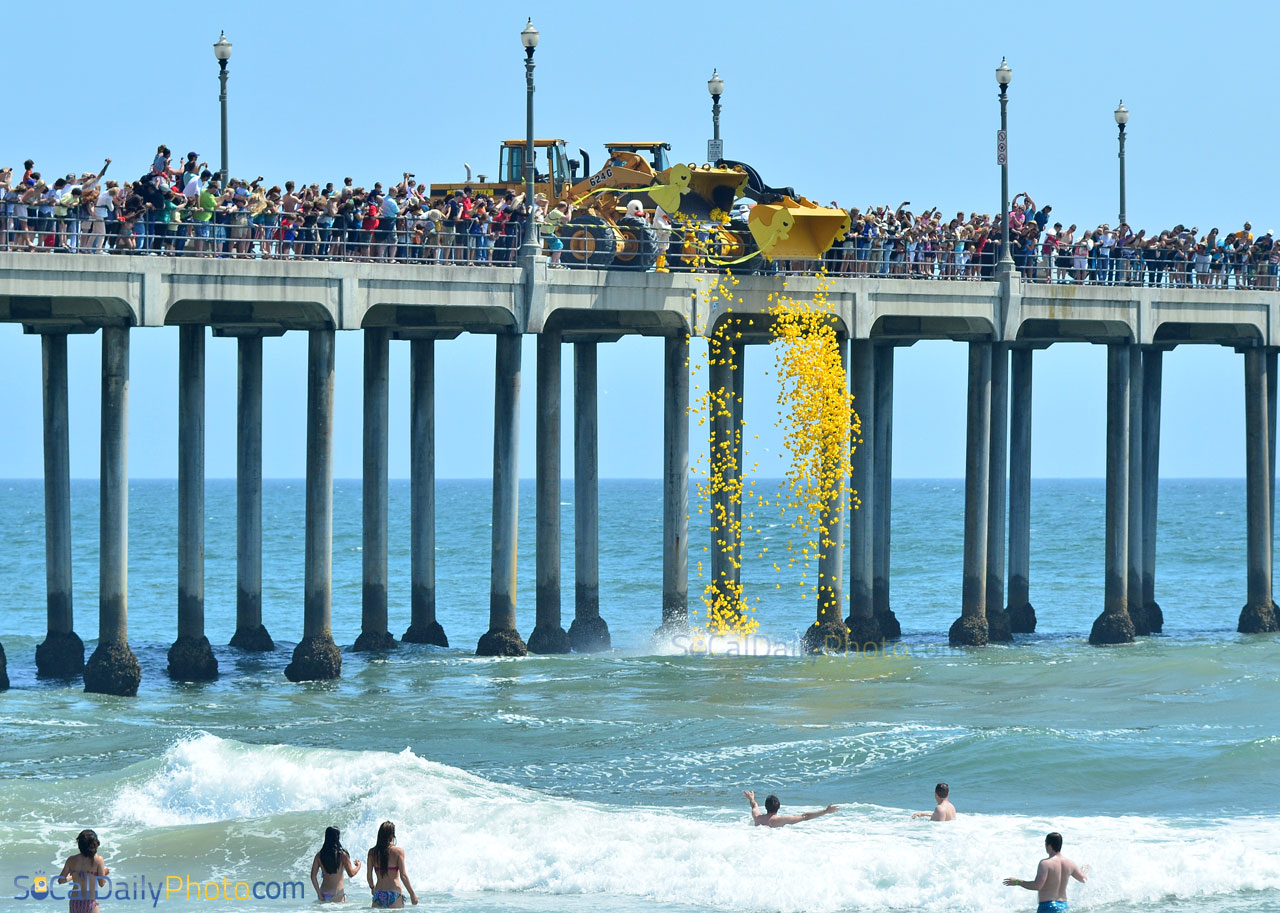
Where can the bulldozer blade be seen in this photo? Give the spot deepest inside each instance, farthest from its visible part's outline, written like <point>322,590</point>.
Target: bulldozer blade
<point>796,229</point>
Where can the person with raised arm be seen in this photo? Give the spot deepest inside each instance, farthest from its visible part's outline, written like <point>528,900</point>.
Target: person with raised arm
<point>336,865</point>
<point>770,817</point>
<point>1052,876</point>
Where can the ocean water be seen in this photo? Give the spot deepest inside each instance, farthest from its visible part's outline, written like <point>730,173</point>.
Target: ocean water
<point>613,782</point>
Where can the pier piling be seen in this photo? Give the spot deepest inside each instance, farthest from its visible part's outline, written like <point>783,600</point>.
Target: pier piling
<point>588,633</point>
<point>1114,626</point>
<point>1259,613</point>
<point>423,626</point>
<point>316,657</point>
<point>502,638</point>
<point>829,630</point>
<point>61,655</point>
<point>882,490</point>
<point>675,483</point>
<point>970,629</point>
<point>548,634</point>
<point>251,634</point>
<point>862,623</point>
<point>375,632</point>
<point>1022,616</point>
<point>999,626</point>
<point>113,669</point>
<point>1137,492</point>
<point>1152,362</point>
<point>191,657</point>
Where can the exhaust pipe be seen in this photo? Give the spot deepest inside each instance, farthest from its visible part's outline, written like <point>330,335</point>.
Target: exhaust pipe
<point>468,167</point>
<point>586,162</point>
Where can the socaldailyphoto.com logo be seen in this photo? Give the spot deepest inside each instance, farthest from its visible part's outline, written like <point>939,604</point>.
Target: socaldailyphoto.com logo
<point>40,885</point>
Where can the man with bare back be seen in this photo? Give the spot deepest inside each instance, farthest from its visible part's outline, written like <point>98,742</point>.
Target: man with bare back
<point>1052,876</point>
<point>770,817</point>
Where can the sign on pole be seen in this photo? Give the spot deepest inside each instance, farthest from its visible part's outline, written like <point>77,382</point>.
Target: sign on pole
<point>715,151</point>
<point>1002,148</point>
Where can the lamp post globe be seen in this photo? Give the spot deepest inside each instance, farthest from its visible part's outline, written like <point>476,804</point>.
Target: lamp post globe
<point>222,47</point>
<point>1004,73</point>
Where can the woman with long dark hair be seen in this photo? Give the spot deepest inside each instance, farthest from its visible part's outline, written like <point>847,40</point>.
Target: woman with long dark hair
<point>87,872</point>
<point>385,870</point>
<point>335,864</point>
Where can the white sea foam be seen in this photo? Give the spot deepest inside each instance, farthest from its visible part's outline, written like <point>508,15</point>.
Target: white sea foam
<point>467,834</point>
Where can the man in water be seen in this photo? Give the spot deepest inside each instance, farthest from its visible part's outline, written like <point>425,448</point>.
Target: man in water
<point>1052,876</point>
<point>770,817</point>
<point>943,810</point>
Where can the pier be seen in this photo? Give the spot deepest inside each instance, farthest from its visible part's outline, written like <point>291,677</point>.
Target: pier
<point>1003,323</point>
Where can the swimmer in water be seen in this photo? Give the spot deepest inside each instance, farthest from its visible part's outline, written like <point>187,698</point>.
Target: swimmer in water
<point>943,809</point>
<point>81,870</point>
<point>770,817</point>
<point>336,865</point>
<point>386,861</point>
<point>1052,876</point>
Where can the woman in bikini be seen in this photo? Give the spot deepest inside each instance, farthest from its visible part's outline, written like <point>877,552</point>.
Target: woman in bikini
<point>336,865</point>
<point>87,872</point>
<point>386,862</point>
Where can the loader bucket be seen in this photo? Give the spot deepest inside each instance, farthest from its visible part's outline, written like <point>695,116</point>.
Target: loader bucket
<point>714,188</point>
<point>796,229</point>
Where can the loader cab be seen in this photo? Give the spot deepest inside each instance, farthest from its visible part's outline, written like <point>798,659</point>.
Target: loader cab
<point>655,152</point>
<point>550,161</point>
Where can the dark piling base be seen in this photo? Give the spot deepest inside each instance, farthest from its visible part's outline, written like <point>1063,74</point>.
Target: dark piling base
<point>1112,628</point>
<point>589,635</point>
<point>1155,618</point>
<point>60,656</point>
<point>999,626</point>
<point>191,659</point>
<point>112,669</point>
<point>315,659</point>
<point>1138,615</point>
<point>4,671</point>
<point>827,637</point>
<point>1259,619</point>
<point>501,642</point>
<point>431,634</point>
<point>1022,619</point>
<point>547,639</point>
<point>374,641</point>
<point>969,631</point>
<point>254,640</point>
<point>888,624</point>
<point>863,631</point>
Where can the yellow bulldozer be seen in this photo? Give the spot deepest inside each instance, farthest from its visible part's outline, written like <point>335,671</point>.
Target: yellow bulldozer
<point>687,208</point>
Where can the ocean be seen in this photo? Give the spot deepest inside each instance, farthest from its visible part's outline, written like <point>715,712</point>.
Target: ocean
<point>612,783</point>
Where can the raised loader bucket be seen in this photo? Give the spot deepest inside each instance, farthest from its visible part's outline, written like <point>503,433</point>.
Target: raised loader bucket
<point>695,190</point>
<point>796,229</point>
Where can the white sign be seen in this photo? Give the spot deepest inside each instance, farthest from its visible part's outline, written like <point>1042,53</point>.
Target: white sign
<point>1002,148</point>
<point>715,150</point>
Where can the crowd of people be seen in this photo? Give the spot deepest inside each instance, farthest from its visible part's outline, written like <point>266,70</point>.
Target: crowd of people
<point>184,209</point>
<point>896,242</point>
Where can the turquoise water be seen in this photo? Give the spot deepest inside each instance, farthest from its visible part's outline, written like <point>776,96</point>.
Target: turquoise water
<point>613,783</point>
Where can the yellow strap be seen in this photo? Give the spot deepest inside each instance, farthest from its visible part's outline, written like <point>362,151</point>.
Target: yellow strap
<point>620,190</point>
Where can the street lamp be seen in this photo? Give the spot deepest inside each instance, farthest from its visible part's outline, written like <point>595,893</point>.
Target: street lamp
<point>1122,118</point>
<point>715,85</point>
<point>1004,76</point>
<point>222,50</point>
<point>529,39</point>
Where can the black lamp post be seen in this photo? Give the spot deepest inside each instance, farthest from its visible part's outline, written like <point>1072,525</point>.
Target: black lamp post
<point>222,50</point>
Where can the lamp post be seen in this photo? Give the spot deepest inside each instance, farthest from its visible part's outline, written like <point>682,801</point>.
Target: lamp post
<point>715,85</point>
<point>1004,76</point>
<point>222,50</point>
<point>1122,118</point>
<point>530,248</point>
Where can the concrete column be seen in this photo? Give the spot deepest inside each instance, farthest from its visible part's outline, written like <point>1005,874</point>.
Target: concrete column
<point>113,669</point>
<point>828,631</point>
<point>62,653</point>
<point>999,626</point>
<point>589,633</point>
<point>862,624</point>
<point>317,657</point>
<point>502,638</point>
<point>548,634</point>
<point>882,485</point>
<point>1151,370</point>
<point>191,657</point>
<point>423,626</point>
<point>1137,478</point>
<point>1259,613</point>
<point>675,483</point>
<point>1271,438</point>
<point>1114,626</point>
<point>970,629</point>
<point>738,375</point>
<point>1022,617</point>
<point>720,389</point>
<point>250,633</point>
<point>375,632</point>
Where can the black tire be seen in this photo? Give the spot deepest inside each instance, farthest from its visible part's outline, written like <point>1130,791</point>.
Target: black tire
<point>638,248</point>
<point>589,242</point>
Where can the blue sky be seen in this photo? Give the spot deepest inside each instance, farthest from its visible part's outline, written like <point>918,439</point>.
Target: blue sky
<point>857,103</point>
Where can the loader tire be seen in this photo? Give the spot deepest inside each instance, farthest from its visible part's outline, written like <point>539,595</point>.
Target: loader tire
<point>589,242</point>
<point>638,249</point>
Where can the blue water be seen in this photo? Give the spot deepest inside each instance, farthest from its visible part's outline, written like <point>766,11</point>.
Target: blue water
<point>613,783</point>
